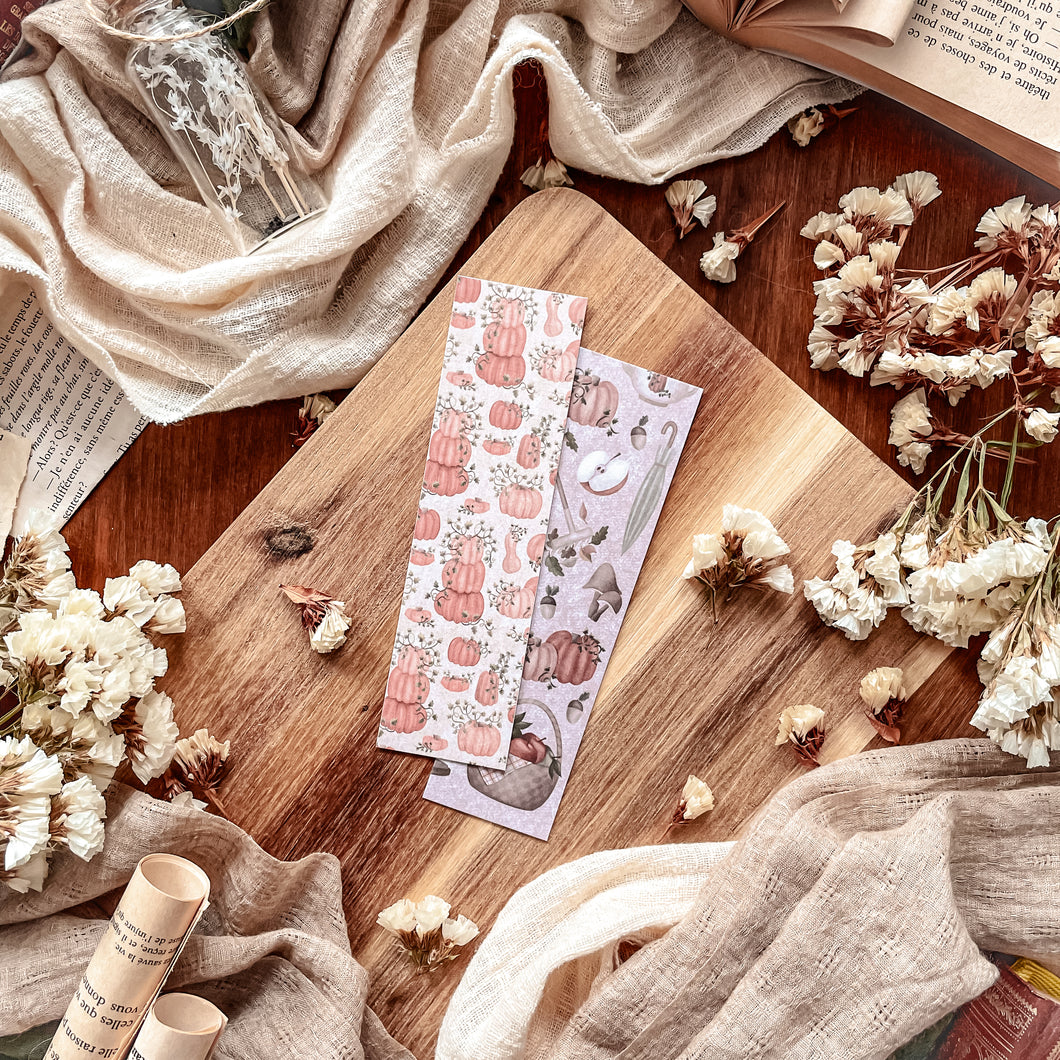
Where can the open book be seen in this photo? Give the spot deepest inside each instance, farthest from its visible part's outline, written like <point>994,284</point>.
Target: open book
<point>990,69</point>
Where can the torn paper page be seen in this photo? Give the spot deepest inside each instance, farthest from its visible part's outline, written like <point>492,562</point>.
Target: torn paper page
<point>76,420</point>
<point>14,459</point>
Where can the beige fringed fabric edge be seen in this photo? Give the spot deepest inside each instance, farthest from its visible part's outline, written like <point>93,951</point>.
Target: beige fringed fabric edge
<point>849,918</point>
<point>272,951</point>
<point>403,111</point>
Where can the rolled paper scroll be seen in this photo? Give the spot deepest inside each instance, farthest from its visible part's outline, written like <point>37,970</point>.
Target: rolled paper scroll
<point>179,1027</point>
<point>162,903</point>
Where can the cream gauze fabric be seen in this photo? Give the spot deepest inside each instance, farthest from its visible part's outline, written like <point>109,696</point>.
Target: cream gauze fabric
<point>848,919</point>
<point>403,111</point>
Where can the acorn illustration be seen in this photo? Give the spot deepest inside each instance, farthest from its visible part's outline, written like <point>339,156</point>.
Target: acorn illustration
<point>548,601</point>
<point>639,436</point>
<point>576,707</point>
<point>440,768</point>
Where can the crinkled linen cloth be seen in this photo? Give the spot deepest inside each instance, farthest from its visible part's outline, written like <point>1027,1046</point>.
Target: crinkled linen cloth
<point>849,917</point>
<point>403,111</point>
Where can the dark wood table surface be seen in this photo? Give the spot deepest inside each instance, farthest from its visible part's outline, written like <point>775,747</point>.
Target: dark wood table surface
<point>180,486</point>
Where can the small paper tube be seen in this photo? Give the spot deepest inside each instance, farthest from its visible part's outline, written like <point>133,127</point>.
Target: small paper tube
<point>179,1027</point>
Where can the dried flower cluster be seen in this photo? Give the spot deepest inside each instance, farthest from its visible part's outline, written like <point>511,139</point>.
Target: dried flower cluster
<point>322,615</point>
<point>744,553</point>
<point>883,691</point>
<point>547,172</point>
<point>426,932</point>
<point>690,202</point>
<point>961,572</point>
<point>813,121</point>
<point>77,696</point>
<point>993,316</point>
<point>315,409</point>
<point>199,764</point>
<point>696,800</point>
<point>802,727</point>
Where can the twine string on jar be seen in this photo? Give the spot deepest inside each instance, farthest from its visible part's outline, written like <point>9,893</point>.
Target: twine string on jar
<point>94,13</point>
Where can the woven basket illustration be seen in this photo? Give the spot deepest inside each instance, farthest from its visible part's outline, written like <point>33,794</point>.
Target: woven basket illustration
<point>522,785</point>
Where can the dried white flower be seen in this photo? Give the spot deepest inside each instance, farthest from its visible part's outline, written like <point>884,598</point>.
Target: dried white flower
<point>880,686</point>
<point>331,631</point>
<point>1041,425</point>
<point>322,615</point>
<point>696,799</point>
<point>459,931</point>
<point>317,407</point>
<point>430,912</point>
<point>919,187</point>
<point>150,734</point>
<point>744,553</point>
<point>910,425</point>
<point>542,174</point>
<point>803,727</point>
<point>127,596</point>
<point>156,578</point>
<point>168,617</point>
<point>399,917</point>
<point>1003,225</point>
<point>805,126</point>
<point>719,264</point>
<point>77,818</point>
<point>689,202</point>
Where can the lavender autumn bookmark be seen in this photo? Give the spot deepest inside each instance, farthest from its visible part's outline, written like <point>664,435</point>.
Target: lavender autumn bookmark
<point>625,432</point>
<point>487,489</point>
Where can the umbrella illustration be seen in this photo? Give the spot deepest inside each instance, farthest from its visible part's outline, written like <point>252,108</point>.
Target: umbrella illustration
<point>650,490</point>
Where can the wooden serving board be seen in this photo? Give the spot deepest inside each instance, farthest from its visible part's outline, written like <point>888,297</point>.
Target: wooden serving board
<point>680,696</point>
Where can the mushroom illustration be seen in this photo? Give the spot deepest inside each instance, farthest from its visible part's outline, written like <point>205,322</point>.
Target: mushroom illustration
<point>606,592</point>
<point>602,474</point>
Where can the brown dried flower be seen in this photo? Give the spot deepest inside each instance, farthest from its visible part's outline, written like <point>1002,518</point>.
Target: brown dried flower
<point>803,727</point>
<point>322,615</point>
<point>198,767</point>
<point>884,695</point>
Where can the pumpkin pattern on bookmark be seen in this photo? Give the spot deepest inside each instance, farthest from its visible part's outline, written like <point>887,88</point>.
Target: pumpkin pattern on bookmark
<point>478,542</point>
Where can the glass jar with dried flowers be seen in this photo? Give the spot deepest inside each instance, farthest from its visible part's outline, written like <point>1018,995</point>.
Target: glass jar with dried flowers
<point>202,98</point>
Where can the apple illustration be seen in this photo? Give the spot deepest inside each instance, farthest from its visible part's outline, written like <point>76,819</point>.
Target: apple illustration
<point>602,474</point>
<point>529,747</point>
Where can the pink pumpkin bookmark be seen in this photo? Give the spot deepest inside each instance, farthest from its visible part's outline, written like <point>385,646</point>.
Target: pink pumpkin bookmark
<point>625,434</point>
<point>484,503</point>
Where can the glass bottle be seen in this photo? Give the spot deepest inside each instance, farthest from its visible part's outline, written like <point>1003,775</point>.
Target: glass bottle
<point>200,95</point>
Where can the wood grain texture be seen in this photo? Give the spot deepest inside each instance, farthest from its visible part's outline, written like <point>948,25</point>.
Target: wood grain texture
<point>680,695</point>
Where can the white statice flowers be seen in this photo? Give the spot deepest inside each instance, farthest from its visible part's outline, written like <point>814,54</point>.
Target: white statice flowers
<point>426,932</point>
<point>954,576</point>
<point>883,691</point>
<point>689,201</point>
<point>992,317</point>
<point>802,728</point>
<point>77,673</point>
<point>696,800</point>
<point>323,617</point>
<point>719,263</point>
<point>745,552</point>
<point>550,173</point>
